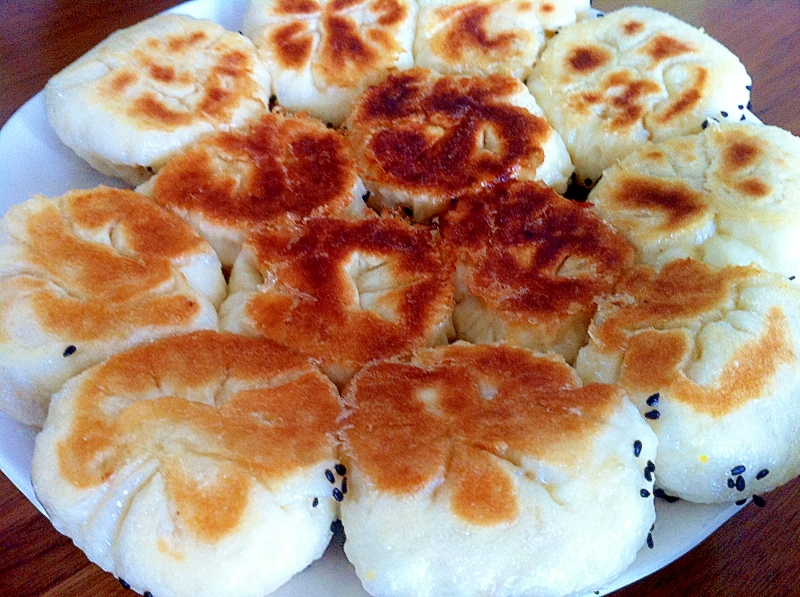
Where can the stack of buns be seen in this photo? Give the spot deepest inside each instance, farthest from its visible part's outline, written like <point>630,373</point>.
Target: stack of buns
<point>349,285</point>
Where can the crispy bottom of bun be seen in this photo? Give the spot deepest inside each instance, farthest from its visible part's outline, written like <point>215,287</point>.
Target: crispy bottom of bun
<point>489,470</point>
<point>342,291</point>
<point>176,465</point>
<point>530,266</point>
<point>86,275</point>
<point>231,182</point>
<point>421,140</point>
<point>710,357</point>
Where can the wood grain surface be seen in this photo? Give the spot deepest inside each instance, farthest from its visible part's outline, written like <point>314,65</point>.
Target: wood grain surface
<point>757,553</point>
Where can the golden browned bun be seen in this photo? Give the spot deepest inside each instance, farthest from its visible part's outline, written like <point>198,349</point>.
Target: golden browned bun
<point>711,358</point>
<point>175,465</point>
<point>86,275</point>
<point>531,266</point>
<point>231,182</point>
<point>478,37</point>
<point>147,91</point>
<point>727,196</point>
<point>488,470</point>
<point>321,53</point>
<point>342,291</point>
<point>422,140</point>
<point>608,85</point>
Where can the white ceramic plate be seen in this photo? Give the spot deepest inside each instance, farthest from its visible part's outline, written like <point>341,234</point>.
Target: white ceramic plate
<point>33,160</point>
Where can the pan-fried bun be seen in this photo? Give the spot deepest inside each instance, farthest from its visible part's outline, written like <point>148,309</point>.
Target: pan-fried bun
<point>727,196</point>
<point>422,140</point>
<point>608,85</point>
<point>531,266</point>
<point>321,53</point>
<point>710,357</point>
<point>137,98</point>
<point>86,275</point>
<point>344,292</point>
<point>194,466</point>
<point>478,37</point>
<point>231,182</point>
<point>488,470</point>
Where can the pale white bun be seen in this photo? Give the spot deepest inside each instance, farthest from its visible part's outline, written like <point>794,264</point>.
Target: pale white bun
<point>489,470</point>
<point>344,292</point>
<point>712,359</point>
<point>607,85</point>
<point>531,266</point>
<point>478,37</point>
<point>729,195</point>
<point>231,182</point>
<point>421,140</point>
<point>86,275</point>
<point>322,53</point>
<point>147,91</point>
<point>194,466</point>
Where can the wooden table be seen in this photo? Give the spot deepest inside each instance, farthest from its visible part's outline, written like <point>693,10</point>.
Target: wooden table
<point>757,553</point>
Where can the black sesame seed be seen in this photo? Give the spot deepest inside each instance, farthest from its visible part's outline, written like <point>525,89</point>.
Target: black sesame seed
<point>740,502</point>
<point>70,350</point>
<point>653,414</point>
<point>124,584</point>
<point>644,493</point>
<point>705,124</point>
<point>337,494</point>
<point>651,467</point>
<point>670,499</point>
<point>749,87</point>
<point>743,117</point>
<point>749,105</point>
<point>741,106</point>
<point>653,400</point>
<point>738,470</point>
<point>336,526</point>
<point>648,475</point>
<point>366,195</point>
<point>650,540</point>
<point>724,114</point>
<point>637,448</point>
<point>791,277</point>
<point>340,469</point>
<point>759,501</point>
<point>148,594</point>
<point>652,526</point>
<point>315,503</point>
<point>740,483</point>
<point>587,182</point>
<point>329,475</point>
<point>344,485</point>
<point>762,473</point>
<point>731,483</point>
